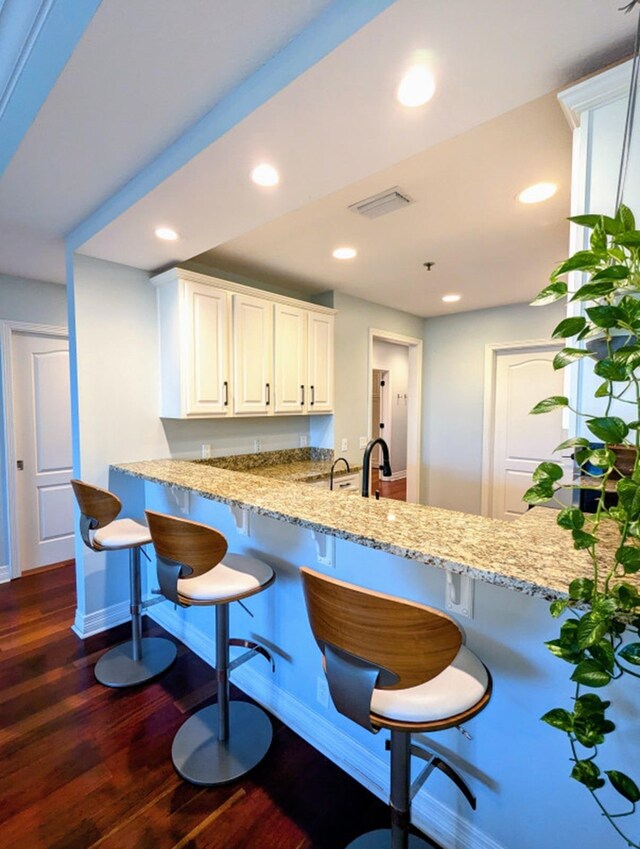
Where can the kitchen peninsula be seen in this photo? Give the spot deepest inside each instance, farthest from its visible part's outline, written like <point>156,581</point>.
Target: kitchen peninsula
<point>411,551</point>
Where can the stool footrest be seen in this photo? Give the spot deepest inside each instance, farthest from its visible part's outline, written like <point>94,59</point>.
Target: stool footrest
<point>253,649</point>
<point>434,762</point>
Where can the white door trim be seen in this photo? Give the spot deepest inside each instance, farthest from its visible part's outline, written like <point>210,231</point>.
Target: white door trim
<point>7,329</point>
<point>491,353</point>
<point>414,404</point>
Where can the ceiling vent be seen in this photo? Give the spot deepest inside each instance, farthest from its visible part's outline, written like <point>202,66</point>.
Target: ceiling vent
<point>382,203</point>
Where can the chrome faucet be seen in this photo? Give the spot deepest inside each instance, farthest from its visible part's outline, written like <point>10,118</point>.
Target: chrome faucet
<point>385,468</point>
<point>337,460</point>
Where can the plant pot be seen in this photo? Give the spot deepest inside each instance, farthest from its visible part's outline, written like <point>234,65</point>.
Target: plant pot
<point>598,347</point>
<point>625,460</point>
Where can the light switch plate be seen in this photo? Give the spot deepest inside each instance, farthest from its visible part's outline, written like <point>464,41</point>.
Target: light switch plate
<point>344,445</point>
<point>206,450</point>
<point>363,442</point>
<point>303,440</point>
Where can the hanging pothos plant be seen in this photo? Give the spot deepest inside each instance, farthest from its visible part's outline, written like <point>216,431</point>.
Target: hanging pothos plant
<point>599,637</point>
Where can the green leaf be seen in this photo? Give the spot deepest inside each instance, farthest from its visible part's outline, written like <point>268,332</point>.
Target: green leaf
<point>611,369</point>
<point>631,653</point>
<point>591,630</point>
<point>580,261</point>
<point>569,355</point>
<point>567,653</point>
<point>551,403</point>
<point>624,785</point>
<point>609,429</point>
<point>603,390</point>
<point>604,316</point>
<point>611,272</point>
<point>558,606</point>
<point>611,225</point>
<point>581,589</point>
<point>571,518</point>
<point>629,557</point>
<point>590,704</point>
<point>630,239</point>
<point>572,443</point>
<point>547,471</point>
<point>540,493</point>
<point>549,294</point>
<point>602,458</point>
<point>587,773</point>
<point>559,718</point>
<point>583,540</point>
<point>604,654</point>
<point>593,291</point>
<point>569,327</point>
<point>625,217</point>
<point>629,497</point>
<point>591,674</point>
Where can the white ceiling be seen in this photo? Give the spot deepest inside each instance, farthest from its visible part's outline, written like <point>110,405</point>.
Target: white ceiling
<point>145,71</point>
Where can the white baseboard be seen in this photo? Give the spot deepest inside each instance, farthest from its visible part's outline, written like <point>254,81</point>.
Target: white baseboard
<point>428,814</point>
<point>93,623</point>
<point>5,574</point>
<point>396,476</point>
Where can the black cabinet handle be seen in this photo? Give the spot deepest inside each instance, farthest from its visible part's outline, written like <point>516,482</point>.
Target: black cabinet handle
<point>313,395</point>
<point>268,394</point>
<point>226,393</point>
<point>302,388</point>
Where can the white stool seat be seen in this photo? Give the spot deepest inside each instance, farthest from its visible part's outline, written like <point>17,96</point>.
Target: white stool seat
<point>459,687</point>
<point>122,533</point>
<point>236,576</point>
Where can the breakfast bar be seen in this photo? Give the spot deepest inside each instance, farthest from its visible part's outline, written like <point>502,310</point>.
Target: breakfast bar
<point>495,578</point>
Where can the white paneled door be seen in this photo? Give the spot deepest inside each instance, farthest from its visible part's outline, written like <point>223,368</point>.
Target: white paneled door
<point>521,441</point>
<point>42,435</point>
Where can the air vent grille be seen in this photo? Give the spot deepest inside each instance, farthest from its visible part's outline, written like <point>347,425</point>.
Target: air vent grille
<point>382,203</point>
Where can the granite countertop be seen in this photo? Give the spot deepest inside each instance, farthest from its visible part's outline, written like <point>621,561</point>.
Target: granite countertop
<point>304,465</point>
<point>531,555</point>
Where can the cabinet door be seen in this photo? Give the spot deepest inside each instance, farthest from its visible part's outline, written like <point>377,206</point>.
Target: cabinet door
<point>290,377</point>
<point>252,355</point>
<point>320,363</point>
<point>206,350</point>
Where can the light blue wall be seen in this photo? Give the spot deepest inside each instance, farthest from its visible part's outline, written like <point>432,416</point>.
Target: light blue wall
<point>35,302</point>
<point>453,396</point>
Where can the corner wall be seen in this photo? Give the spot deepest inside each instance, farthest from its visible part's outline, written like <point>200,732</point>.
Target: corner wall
<point>453,395</point>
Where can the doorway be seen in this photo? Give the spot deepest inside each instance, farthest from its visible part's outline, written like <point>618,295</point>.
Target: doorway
<point>517,376</point>
<point>395,410</point>
<point>37,422</point>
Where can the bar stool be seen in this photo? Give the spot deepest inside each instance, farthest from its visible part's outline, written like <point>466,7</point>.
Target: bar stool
<point>139,659</point>
<point>221,742</point>
<point>398,665</point>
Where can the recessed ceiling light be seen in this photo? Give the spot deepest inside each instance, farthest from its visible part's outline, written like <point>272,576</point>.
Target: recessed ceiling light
<point>451,299</point>
<point>537,193</point>
<point>265,175</point>
<point>166,233</point>
<point>345,253</point>
<point>417,86</point>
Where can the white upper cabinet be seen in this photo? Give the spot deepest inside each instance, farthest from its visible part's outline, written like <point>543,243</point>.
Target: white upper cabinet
<point>194,350</point>
<point>320,362</point>
<point>290,359</point>
<point>229,350</point>
<point>252,355</point>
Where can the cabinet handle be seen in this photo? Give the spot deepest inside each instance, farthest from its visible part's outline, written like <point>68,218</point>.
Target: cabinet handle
<point>302,389</point>
<point>313,395</point>
<point>226,393</point>
<point>268,394</point>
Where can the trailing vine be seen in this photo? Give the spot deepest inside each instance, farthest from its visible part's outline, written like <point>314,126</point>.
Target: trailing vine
<point>599,636</point>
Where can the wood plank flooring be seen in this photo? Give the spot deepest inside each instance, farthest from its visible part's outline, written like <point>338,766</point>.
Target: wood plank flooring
<point>389,489</point>
<point>85,766</point>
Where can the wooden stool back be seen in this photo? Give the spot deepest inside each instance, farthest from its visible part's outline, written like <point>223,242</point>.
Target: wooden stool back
<point>99,504</point>
<point>410,640</point>
<point>189,543</point>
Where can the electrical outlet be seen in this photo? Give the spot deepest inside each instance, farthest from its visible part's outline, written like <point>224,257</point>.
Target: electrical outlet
<point>257,445</point>
<point>363,442</point>
<point>206,450</point>
<point>303,440</point>
<point>322,691</point>
<point>344,445</point>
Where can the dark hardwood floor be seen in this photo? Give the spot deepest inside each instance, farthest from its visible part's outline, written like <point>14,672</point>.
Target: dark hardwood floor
<point>84,766</point>
<point>389,489</point>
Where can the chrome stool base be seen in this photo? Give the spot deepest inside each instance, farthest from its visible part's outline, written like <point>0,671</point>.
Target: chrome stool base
<point>117,668</point>
<point>198,755</point>
<point>382,839</point>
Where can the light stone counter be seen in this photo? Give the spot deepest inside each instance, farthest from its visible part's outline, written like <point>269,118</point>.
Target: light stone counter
<point>531,555</point>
